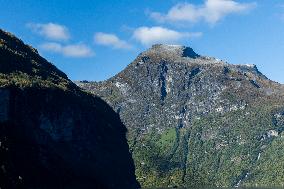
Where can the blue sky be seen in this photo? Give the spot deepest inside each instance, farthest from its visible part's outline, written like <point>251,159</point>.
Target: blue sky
<point>95,39</point>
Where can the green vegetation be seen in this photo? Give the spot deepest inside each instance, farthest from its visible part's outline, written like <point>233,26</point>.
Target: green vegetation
<point>22,66</point>
<point>23,80</point>
<point>217,150</point>
<point>269,168</point>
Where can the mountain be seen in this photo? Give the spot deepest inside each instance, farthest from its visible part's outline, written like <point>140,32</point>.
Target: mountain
<point>52,134</point>
<point>198,121</point>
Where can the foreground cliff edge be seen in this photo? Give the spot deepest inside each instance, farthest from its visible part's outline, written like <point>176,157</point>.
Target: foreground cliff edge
<point>198,121</point>
<point>53,135</point>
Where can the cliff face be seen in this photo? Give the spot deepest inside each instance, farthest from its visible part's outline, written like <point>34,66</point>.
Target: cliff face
<point>196,120</point>
<point>53,135</point>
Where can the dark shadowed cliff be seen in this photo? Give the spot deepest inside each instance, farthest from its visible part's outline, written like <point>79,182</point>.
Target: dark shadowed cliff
<point>53,135</point>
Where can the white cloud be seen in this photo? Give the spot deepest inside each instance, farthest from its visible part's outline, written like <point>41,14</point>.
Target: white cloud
<point>77,50</point>
<point>111,40</point>
<point>50,30</point>
<point>151,35</point>
<point>211,11</point>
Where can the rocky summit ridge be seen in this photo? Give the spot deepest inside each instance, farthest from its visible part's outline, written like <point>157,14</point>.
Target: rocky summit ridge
<point>174,51</point>
<point>182,54</point>
<point>194,120</point>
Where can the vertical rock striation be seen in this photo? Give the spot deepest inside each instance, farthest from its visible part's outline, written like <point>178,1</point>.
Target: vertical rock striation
<point>196,120</point>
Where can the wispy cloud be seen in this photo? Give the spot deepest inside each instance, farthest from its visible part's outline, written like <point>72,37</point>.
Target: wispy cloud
<point>211,11</point>
<point>57,32</point>
<point>50,30</point>
<point>151,35</point>
<point>75,50</point>
<point>111,40</point>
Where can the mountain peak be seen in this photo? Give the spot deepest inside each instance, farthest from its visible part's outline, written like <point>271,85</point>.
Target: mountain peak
<point>172,100</point>
<point>172,50</point>
<point>179,55</point>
